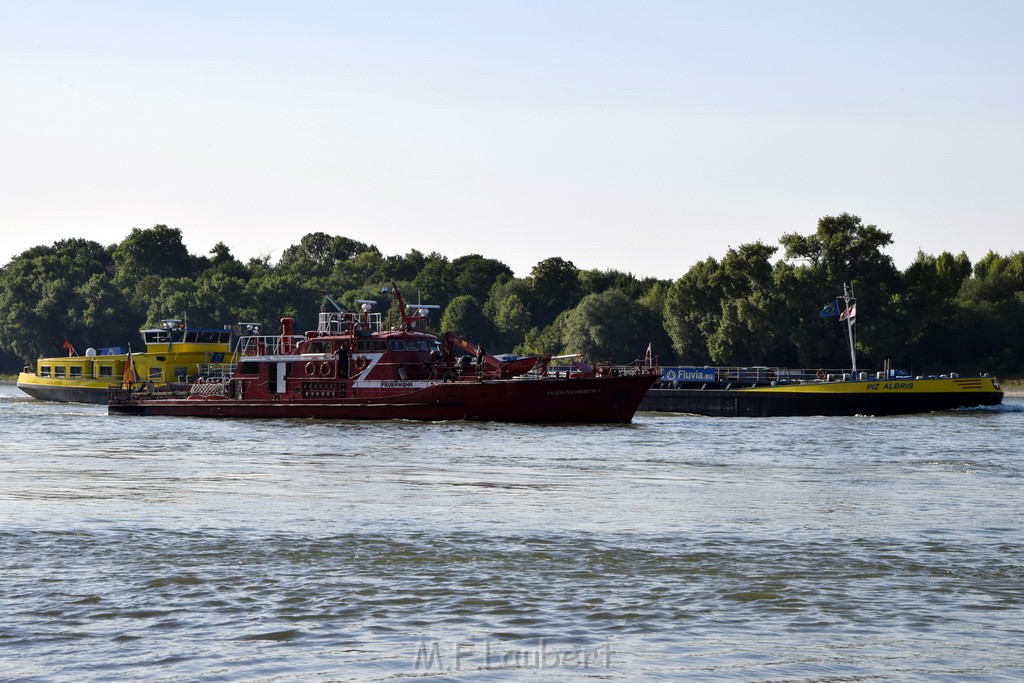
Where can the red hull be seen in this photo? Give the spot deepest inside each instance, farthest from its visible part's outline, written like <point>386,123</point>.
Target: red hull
<point>592,399</point>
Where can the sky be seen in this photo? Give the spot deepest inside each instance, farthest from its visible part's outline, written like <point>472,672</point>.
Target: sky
<point>638,136</point>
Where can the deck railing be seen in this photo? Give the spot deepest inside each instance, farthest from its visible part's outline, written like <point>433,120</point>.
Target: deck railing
<point>690,376</point>
<point>267,345</point>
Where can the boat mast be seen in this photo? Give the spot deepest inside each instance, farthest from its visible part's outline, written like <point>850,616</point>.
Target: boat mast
<point>850,300</point>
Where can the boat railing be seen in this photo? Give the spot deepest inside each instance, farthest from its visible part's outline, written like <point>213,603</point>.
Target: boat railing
<point>601,370</point>
<point>216,370</point>
<point>346,322</point>
<point>263,345</point>
<point>759,375</point>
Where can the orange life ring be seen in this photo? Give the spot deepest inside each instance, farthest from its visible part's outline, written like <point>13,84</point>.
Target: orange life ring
<point>822,372</point>
<point>325,368</point>
<point>310,368</point>
<point>360,362</point>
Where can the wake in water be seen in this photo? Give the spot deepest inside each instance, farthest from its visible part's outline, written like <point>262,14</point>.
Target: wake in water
<point>1001,408</point>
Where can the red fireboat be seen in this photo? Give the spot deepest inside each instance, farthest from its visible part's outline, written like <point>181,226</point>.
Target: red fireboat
<point>352,368</point>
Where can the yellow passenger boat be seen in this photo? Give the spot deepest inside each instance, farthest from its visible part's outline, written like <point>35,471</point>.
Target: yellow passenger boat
<point>175,353</point>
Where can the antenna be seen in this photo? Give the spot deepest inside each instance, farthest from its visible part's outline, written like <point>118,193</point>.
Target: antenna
<point>335,303</point>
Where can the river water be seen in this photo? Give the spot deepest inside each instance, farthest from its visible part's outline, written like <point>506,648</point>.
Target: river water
<point>675,548</point>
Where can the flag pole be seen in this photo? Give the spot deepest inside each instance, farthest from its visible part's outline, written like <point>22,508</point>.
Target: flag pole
<point>847,298</point>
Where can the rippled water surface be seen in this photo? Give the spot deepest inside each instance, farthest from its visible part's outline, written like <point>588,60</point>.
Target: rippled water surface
<point>675,548</point>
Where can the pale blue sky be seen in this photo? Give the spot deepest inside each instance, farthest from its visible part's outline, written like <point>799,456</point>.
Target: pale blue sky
<point>641,136</point>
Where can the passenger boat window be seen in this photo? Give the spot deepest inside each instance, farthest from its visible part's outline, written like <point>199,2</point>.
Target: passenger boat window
<point>398,345</point>
<point>76,370</point>
<point>44,370</point>
<point>59,371</point>
<point>363,346</point>
<point>106,371</point>
<point>380,345</point>
<point>156,373</point>
<point>180,373</point>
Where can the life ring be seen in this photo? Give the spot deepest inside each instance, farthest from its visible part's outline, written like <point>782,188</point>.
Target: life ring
<point>360,362</point>
<point>822,372</point>
<point>310,368</point>
<point>325,368</point>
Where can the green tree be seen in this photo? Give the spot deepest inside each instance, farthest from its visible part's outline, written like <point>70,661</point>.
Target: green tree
<point>41,297</point>
<point>556,288</point>
<point>156,251</point>
<point>727,311</point>
<point>991,304</point>
<point>841,250</point>
<point>465,317</point>
<point>433,283</point>
<point>693,306</point>
<point>271,295</point>
<point>605,326</point>
<point>512,320</point>
<point>105,317</point>
<point>474,275</point>
<point>367,268</point>
<point>318,254</point>
<point>546,340</point>
<point>933,327</point>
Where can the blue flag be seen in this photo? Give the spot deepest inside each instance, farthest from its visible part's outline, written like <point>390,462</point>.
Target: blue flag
<point>831,310</point>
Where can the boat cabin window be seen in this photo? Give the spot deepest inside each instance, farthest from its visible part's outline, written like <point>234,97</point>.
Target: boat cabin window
<point>248,368</point>
<point>363,346</point>
<point>60,371</point>
<point>320,346</point>
<point>208,336</point>
<point>380,345</point>
<point>162,336</point>
<point>76,370</point>
<point>409,345</point>
<point>44,370</point>
<point>156,373</point>
<point>106,371</point>
<point>180,373</point>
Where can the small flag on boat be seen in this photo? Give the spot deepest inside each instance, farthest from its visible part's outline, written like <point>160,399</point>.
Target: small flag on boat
<point>69,348</point>
<point>129,369</point>
<point>850,313</point>
<point>831,310</point>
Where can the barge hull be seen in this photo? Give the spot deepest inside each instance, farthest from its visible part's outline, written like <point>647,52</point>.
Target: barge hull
<point>829,399</point>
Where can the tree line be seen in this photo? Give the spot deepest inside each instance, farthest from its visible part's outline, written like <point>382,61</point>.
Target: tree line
<point>758,304</point>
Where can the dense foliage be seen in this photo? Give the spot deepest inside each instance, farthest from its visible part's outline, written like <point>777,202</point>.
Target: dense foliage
<point>755,305</point>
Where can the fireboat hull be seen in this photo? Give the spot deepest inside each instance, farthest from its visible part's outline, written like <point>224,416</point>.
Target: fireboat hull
<point>895,397</point>
<point>544,400</point>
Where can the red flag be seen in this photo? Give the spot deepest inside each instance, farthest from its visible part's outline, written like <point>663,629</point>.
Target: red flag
<point>69,348</point>
<point>850,313</point>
